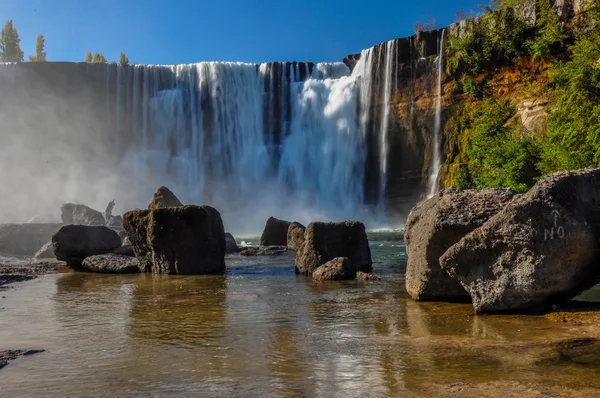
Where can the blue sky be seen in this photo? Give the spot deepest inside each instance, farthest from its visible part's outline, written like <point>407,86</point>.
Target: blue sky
<point>186,31</point>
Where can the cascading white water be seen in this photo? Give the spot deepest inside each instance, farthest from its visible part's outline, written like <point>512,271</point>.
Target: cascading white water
<point>281,139</point>
<point>250,140</point>
<point>436,162</point>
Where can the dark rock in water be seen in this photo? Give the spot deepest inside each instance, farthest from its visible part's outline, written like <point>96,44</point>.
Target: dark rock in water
<point>164,198</point>
<point>73,243</point>
<point>46,251</point>
<point>187,240</point>
<point>325,241</point>
<point>541,249</point>
<point>364,276</point>
<point>81,215</point>
<point>112,264</point>
<point>230,244</point>
<point>263,251</point>
<point>436,224</point>
<point>24,240</point>
<point>338,269</point>
<point>10,355</point>
<point>295,236</point>
<point>275,233</point>
<point>125,250</point>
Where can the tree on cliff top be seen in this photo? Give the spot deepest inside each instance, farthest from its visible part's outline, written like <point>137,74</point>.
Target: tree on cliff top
<point>88,57</point>
<point>99,58</point>
<point>10,50</point>
<point>40,54</point>
<point>123,60</point>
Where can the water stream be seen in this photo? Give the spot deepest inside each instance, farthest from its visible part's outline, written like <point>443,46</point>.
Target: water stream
<point>260,330</point>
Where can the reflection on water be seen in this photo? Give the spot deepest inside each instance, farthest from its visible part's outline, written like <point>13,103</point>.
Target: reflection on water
<point>261,330</point>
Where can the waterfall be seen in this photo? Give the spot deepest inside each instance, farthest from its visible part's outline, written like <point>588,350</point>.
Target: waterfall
<point>375,72</point>
<point>436,162</point>
<point>295,140</point>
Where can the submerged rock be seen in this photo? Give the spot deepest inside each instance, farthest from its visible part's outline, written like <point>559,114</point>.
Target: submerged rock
<point>338,269</point>
<point>275,232</point>
<point>295,236</point>
<point>81,215</point>
<point>24,240</point>
<point>73,243</point>
<point>10,355</point>
<point>541,249</point>
<point>364,276</point>
<point>436,224</point>
<point>163,197</point>
<point>326,241</point>
<point>230,244</point>
<point>263,251</point>
<point>187,240</point>
<point>112,264</point>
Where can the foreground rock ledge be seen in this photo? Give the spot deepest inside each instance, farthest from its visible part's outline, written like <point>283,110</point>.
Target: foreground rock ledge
<point>325,241</point>
<point>187,240</point>
<point>541,249</point>
<point>435,225</point>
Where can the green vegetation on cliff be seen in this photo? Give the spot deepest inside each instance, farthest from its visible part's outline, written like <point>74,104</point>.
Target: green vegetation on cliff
<point>492,148</point>
<point>10,49</point>
<point>40,54</point>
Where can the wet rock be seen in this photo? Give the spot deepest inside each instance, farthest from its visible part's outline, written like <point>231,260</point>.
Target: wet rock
<point>230,244</point>
<point>541,249</point>
<point>163,197</point>
<point>275,232</point>
<point>295,236</point>
<point>125,250</point>
<point>73,243</point>
<point>81,215</point>
<point>112,264</point>
<point>364,276</point>
<point>10,355</point>
<point>436,224</point>
<point>24,240</point>
<point>46,251</point>
<point>177,240</point>
<point>325,241</point>
<point>338,269</point>
<point>263,251</point>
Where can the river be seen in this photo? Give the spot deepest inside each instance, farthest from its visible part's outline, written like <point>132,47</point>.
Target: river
<point>260,330</point>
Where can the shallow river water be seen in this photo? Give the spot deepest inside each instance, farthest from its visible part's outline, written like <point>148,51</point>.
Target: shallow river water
<point>263,331</point>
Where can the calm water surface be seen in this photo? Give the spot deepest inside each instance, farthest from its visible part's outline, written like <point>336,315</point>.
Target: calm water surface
<point>262,331</point>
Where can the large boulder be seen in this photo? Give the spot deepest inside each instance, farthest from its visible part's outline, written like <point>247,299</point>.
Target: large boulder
<point>230,244</point>
<point>338,269</point>
<point>436,224</point>
<point>81,215</point>
<point>112,264</point>
<point>73,243</point>
<point>295,235</point>
<point>163,197</point>
<point>177,240</point>
<point>24,240</point>
<point>541,249</point>
<point>275,232</point>
<point>325,241</point>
